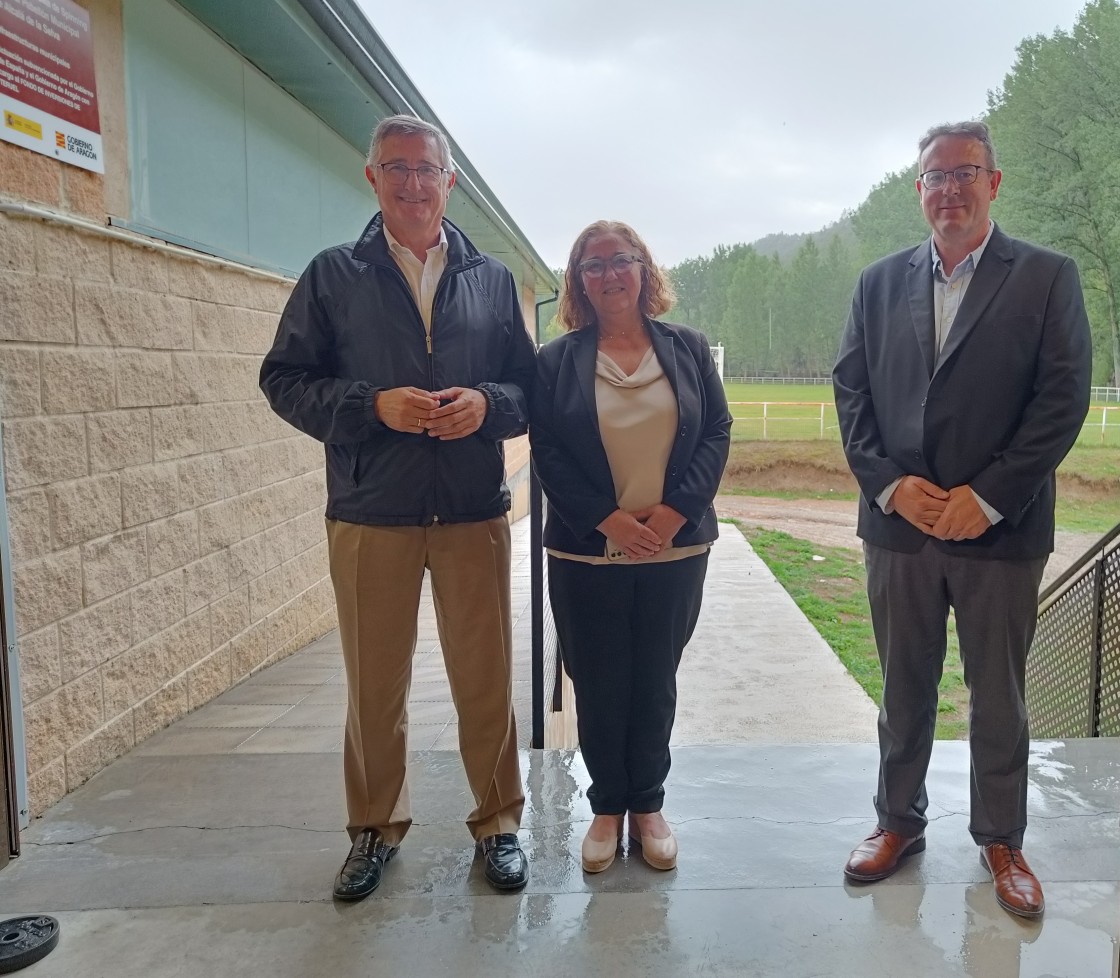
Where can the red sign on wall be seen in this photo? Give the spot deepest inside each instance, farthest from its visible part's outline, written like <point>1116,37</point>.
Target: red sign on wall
<point>48,94</point>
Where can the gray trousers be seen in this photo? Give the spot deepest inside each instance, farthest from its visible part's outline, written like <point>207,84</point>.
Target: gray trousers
<point>996,606</point>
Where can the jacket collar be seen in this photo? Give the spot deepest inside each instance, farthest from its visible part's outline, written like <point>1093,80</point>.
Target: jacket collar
<point>372,247</point>
<point>586,345</point>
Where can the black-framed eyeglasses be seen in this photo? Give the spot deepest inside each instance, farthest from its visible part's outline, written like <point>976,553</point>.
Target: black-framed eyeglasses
<point>963,175</point>
<point>397,173</point>
<point>597,267</point>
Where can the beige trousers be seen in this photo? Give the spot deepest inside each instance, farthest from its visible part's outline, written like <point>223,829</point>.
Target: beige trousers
<point>377,572</point>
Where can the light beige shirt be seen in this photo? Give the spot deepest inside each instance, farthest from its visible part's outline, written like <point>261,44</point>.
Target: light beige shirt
<point>422,276</point>
<point>638,425</point>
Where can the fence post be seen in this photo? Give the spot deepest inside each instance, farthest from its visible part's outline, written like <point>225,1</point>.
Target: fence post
<point>1098,647</point>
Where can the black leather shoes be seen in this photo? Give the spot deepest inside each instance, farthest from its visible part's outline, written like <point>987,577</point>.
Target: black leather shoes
<point>361,873</point>
<point>504,864</point>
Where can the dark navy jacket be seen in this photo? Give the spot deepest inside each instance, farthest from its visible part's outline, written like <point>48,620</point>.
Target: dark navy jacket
<point>352,328</point>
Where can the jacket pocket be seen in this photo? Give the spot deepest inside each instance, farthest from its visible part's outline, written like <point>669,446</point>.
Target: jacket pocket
<point>343,463</point>
<point>355,466</point>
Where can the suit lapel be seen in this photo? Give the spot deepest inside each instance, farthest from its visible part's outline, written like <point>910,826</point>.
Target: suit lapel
<point>584,348</point>
<point>666,352</point>
<point>919,287</point>
<point>993,269</point>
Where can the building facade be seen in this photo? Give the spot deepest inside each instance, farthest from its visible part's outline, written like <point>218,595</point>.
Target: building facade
<point>165,530</point>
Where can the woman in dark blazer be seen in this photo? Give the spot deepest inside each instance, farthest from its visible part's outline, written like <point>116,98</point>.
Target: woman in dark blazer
<point>630,433</point>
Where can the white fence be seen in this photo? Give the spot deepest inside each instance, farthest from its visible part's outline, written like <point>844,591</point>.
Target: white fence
<point>809,419</point>
<point>777,380</point>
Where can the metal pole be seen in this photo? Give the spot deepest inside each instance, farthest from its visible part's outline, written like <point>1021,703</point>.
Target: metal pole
<point>536,575</point>
<point>1098,648</point>
<point>536,604</point>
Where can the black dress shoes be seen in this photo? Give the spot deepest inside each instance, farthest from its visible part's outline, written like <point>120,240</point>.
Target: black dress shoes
<point>361,873</point>
<point>504,864</point>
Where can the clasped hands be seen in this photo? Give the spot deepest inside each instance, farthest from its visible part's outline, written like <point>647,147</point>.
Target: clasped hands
<point>948,514</point>
<point>642,532</point>
<point>414,411</point>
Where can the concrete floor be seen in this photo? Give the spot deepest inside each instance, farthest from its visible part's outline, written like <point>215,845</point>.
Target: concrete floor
<point>178,865</point>
<point>210,849</point>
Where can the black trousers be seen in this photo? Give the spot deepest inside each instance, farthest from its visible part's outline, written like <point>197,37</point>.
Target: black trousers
<point>996,604</point>
<point>622,630</point>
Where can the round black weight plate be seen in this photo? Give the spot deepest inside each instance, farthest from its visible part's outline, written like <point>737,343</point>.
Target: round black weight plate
<point>24,940</point>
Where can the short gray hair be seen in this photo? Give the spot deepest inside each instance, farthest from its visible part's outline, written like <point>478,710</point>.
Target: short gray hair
<point>969,130</point>
<point>408,125</point>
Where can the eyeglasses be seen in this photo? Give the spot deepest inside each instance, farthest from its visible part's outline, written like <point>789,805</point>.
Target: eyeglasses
<point>597,267</point>
<point>963,175</point>
<point>426,174</point>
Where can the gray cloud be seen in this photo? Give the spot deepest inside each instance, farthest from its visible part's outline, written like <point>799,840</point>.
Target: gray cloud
<point>700,123</point>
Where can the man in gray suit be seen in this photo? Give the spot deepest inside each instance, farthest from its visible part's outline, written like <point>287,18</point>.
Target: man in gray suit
<point>962,381</point>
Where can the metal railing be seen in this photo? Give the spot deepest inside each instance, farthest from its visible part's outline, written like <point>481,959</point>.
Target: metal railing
<point>1073,672</point>
<point>547,663</point>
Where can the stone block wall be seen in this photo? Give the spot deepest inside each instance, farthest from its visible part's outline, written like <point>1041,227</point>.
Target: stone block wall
<point>166,527</point>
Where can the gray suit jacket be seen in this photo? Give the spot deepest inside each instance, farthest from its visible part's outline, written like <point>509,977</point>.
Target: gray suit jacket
<point>997,410</point>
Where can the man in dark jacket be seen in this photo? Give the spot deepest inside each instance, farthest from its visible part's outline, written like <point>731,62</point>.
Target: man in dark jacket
<point>406,354</point>
<point>962,381</point>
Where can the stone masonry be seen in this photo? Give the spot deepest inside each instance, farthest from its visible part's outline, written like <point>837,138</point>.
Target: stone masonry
<point>166,527</point>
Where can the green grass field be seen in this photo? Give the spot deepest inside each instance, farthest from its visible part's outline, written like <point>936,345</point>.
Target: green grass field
<point>797,412</point>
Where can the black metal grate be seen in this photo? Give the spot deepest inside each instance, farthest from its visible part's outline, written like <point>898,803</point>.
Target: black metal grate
<point>1073,673</point>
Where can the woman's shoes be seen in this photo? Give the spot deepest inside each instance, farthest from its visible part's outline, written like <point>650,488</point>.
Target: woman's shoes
<point>660,853</point>
<point>596,855</point>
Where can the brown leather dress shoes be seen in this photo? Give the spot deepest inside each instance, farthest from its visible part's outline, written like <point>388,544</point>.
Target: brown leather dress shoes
<point>879,855</point>
<point>1017,888</point>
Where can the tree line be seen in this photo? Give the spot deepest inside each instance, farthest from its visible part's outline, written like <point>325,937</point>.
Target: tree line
<point>1056,127</point>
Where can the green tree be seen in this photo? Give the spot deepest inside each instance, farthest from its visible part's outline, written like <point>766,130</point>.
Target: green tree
<point>1056,123</point>
<point>891,217</point>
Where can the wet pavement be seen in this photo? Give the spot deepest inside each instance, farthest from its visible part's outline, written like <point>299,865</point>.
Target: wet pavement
<point>175,865</point>
<point>211,848</point>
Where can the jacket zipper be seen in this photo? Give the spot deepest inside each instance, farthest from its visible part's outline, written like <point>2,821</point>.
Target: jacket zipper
<point>431,382</point>
<point>446,277</point>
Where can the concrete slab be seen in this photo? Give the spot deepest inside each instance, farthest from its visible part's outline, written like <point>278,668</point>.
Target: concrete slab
<point>756,670</point>
<point>211,848</point>
<point>176,866</point>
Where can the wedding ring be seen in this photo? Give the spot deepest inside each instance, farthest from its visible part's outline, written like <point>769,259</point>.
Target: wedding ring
<point>418,422</point>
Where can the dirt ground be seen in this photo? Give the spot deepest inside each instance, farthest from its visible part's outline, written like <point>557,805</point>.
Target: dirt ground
<point>832,523</point>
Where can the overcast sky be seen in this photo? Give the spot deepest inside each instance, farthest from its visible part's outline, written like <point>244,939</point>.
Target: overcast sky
<point>699,122</point>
